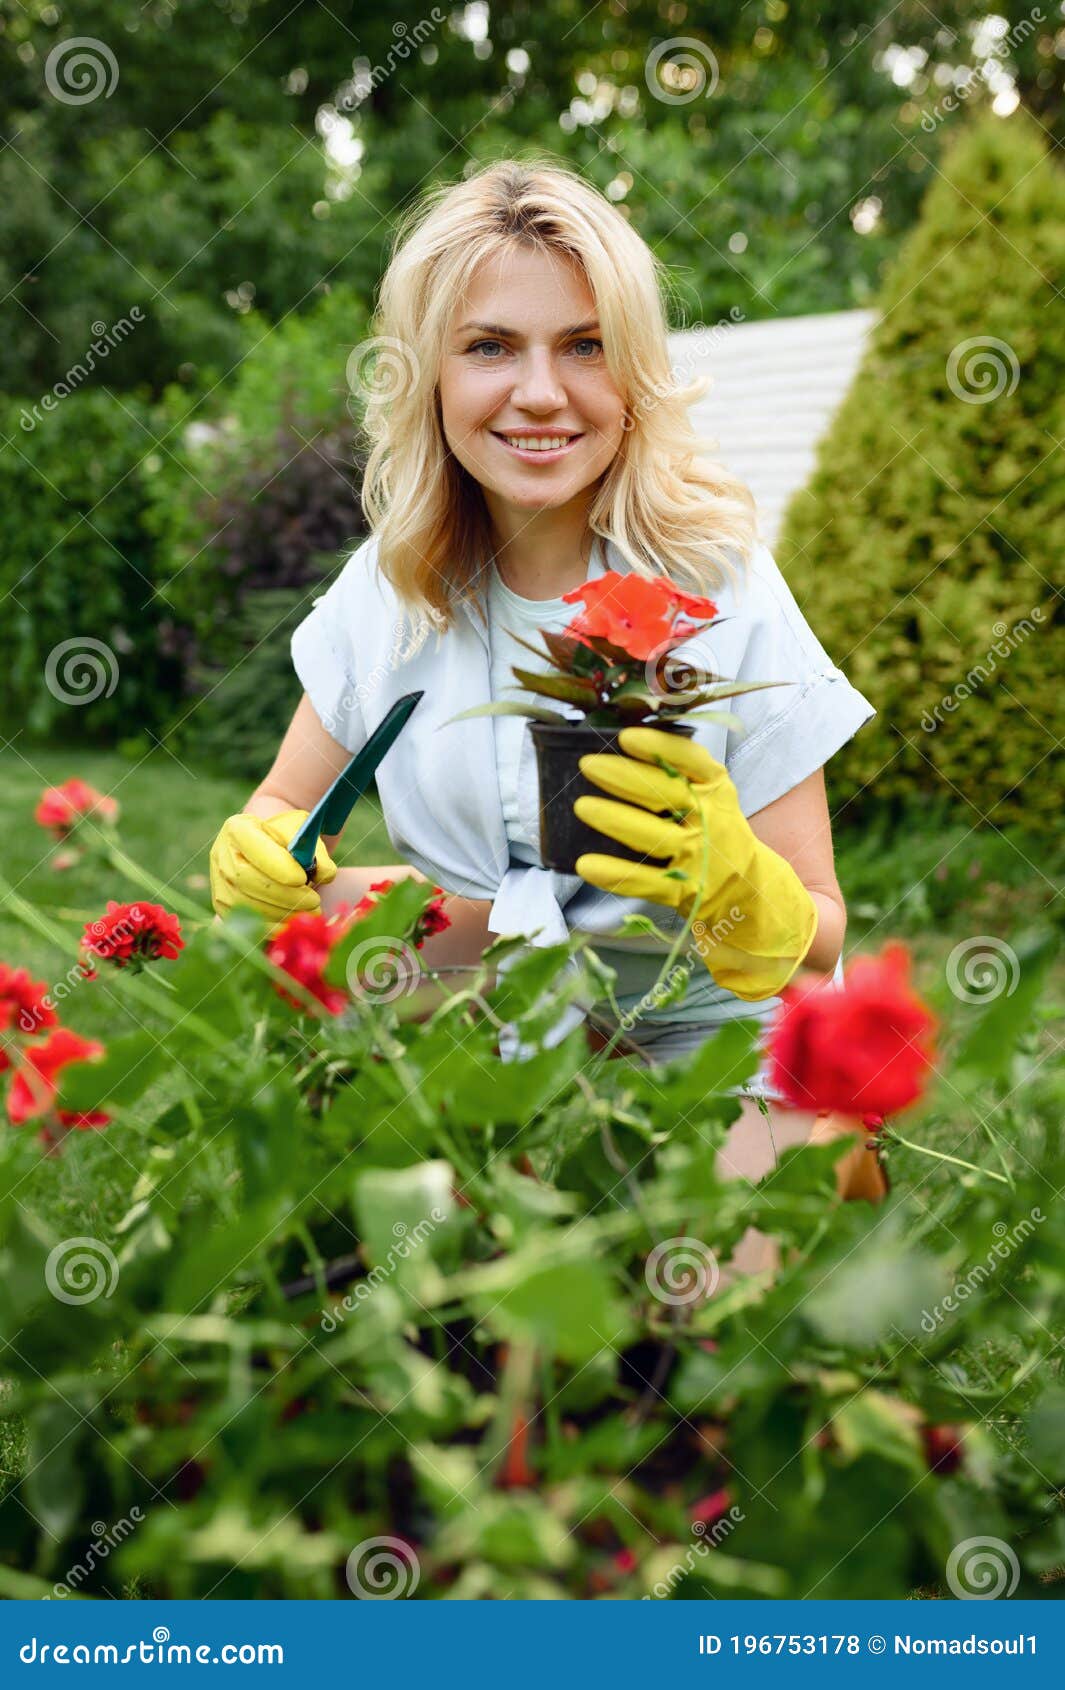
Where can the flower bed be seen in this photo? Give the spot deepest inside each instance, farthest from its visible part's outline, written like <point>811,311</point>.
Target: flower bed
<point>385,1316</point>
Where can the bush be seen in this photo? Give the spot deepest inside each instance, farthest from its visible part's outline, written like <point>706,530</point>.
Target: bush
<point>927,542</point>
<point>274,463</point>
<point>84,655</point>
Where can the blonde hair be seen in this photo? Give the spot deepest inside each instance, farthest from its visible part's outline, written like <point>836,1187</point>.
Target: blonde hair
<point>666,505</point>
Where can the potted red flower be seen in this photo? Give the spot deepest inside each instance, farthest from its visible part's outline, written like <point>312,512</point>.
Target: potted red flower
<point>614,665</point>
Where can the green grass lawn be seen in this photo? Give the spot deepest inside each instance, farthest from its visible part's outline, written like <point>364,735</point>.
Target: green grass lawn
<point>930,878</point>
<point>170,815</point>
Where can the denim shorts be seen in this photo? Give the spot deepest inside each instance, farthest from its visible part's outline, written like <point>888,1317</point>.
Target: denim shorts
<point>661,1041</point>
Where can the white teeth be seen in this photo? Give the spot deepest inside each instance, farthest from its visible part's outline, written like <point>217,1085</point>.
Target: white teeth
<point>551,443</point>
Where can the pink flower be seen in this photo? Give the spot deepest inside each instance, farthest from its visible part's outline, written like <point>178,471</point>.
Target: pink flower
<point>60,808</point>
<point>710,1508</point>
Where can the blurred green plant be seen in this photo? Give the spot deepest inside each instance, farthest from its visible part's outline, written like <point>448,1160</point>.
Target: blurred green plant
<point>373,1283</point>
<point>929,536</point>
<point>85,655</point>
<point>254,508</point>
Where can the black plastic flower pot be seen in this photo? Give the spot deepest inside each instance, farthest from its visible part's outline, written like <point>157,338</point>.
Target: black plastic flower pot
<point>559,746</point>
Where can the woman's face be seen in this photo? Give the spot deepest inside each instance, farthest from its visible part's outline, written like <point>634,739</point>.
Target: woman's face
<point>523,359</point>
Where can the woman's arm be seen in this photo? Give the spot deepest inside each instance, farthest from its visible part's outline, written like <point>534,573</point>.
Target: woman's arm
<point>797,826</point>
<point>308,761</point>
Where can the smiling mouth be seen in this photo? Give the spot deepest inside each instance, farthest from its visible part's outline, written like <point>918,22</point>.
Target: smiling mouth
<point>549,446</point>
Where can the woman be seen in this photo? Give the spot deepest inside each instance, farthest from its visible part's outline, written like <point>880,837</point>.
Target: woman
<point>529,438</point>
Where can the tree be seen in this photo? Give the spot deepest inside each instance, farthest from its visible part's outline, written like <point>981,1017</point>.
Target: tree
<point>928,543</point>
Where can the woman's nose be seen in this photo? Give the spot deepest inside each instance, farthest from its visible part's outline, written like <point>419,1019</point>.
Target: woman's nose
<point>538,387</point>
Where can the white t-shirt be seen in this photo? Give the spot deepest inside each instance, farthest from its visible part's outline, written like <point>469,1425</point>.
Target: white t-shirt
<point>440,784</point>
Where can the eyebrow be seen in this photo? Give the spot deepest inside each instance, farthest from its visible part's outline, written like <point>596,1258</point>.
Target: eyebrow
<point>513,334</point>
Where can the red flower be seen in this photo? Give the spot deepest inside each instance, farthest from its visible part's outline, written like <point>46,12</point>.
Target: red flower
<point>61,807</point>
<point>23,1005</point>
<point>633,613</point>
<point>433,918</point>
<point>133,933</point>
<point>943,1447</point>
<point>864,1050</point>
<point>365,904</point>
<point>710,1508</point>
<point>34,1087</point>
<point>302,946</point>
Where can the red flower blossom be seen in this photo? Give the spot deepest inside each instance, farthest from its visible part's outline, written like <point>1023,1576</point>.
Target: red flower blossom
<point>864,1050</point>
<point>710,1508</point>
<point>433,918</point>
<point>635,614</point>
<point>943,1447</point>
<point>302,946</point>
<point>61,807</point>
<point>133,933</point>
<point>24,1007</point>
<point>34,1086</point>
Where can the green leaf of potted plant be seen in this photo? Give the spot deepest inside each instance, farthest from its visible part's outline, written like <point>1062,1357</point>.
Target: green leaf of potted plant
<point>615,666</point>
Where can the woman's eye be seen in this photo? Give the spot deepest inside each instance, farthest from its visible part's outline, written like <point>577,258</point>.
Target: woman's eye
<point>476,347</point>
<point>596,343</point>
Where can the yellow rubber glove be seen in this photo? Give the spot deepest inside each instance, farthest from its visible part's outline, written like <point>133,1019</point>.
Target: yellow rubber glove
<point>754,919</point>
<point>250,864</point>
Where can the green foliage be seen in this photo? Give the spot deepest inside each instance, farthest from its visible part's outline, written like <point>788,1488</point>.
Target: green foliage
<point>202,173</point>
<point>368,1280</point>
<point>255,506</point>
<point>930,536</point>
<point>77,567</point>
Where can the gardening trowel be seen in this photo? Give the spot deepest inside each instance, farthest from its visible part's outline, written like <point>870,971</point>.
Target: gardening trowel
<point>332,811</point>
